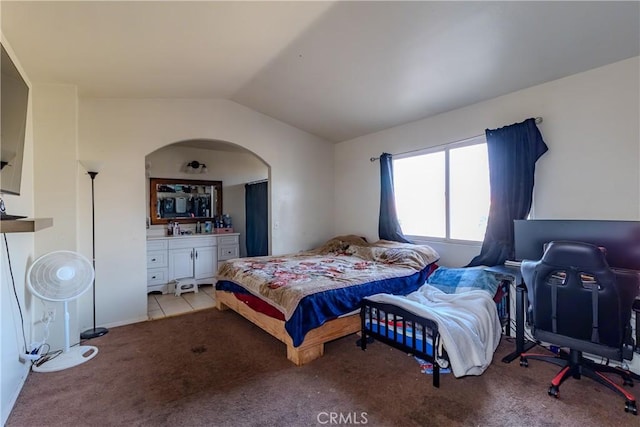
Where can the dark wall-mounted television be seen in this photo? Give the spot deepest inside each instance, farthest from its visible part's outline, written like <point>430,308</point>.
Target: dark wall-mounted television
<point>14,100</point>
<point>621,239</point>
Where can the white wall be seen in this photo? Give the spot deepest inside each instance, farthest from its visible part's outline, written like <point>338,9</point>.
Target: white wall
<point>22,252</point>
<point>121,132</point>
<point>591,125</point>
<point>234,169</point>
<point>55,111</point>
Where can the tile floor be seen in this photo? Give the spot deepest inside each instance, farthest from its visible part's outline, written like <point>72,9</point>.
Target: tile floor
<point>160,306</point>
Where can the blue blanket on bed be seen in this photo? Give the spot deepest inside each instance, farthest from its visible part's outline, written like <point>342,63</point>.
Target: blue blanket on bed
<point>458,280</point>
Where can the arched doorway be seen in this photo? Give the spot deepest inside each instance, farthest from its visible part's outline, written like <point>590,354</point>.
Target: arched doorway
<point>229,163</point>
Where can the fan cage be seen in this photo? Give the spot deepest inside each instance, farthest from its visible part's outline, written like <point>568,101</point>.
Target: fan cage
<point>60,276</point>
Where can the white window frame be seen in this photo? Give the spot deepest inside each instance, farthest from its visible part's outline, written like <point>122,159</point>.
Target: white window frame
<point>446,148</point>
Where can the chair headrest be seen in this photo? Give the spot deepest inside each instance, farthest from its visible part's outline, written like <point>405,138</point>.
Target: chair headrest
<point>579,255</point>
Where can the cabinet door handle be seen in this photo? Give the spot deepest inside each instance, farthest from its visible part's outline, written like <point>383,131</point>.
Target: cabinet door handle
<point>191,254</point>
<point>153,260</point>
<point>196,254</point>
<point>153,277</point>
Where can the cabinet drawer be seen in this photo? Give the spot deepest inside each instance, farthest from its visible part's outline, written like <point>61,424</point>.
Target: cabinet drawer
<point>156,259</point>
<point>227,240</point>
<point>157,276</point>
<point>156,245</point>
<point>227,252</point>
<point>192,242</point>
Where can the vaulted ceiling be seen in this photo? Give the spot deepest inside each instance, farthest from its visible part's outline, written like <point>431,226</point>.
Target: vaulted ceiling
<point>335,69</point>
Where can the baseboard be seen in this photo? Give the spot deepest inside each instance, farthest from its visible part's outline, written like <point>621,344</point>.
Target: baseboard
<point>126,322</point>
<point>119,323</point>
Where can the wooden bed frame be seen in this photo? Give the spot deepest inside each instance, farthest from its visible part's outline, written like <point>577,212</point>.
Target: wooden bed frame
<point>313,345</point>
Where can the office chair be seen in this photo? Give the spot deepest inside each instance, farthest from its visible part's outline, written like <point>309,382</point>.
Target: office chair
<point>577,302</point>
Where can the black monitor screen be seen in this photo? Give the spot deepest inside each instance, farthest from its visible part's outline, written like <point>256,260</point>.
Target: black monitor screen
<point>621,239</point>
<point>14,101</point>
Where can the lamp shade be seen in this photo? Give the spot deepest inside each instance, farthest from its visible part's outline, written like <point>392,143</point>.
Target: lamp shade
<point>92,165</point>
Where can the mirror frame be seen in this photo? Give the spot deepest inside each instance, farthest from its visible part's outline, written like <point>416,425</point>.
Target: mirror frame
<point>153,199</point>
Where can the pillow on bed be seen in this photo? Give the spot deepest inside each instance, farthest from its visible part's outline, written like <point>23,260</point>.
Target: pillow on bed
<point>457,280</point>
<point>341,244</point>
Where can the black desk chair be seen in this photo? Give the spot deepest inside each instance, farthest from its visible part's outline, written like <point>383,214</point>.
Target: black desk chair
<point>577,302</point>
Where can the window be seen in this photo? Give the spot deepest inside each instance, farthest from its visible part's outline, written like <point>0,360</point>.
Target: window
<point>444,193</point>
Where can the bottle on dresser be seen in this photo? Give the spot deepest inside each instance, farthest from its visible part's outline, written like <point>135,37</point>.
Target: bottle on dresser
<point>170,228</point>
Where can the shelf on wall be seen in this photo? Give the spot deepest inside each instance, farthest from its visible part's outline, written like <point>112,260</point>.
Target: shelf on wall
<point>26,225</point>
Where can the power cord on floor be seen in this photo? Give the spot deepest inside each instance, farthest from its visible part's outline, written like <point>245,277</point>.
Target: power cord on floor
<point>47,356</point>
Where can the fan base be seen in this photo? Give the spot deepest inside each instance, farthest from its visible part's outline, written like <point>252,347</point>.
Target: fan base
<point>93,333</point>
<point>73,357</point>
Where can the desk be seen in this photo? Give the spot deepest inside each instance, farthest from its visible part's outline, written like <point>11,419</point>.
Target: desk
<point>515,276</point>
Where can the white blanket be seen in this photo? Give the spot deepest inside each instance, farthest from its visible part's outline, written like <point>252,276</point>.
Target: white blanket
<point>468,324</point>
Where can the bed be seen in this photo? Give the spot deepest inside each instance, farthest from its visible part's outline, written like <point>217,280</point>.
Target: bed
<point>455,320</point>
<point>312,297</point>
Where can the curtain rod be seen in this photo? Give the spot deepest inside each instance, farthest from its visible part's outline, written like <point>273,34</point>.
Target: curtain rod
<point>373,159</point>
<point>260,181</point>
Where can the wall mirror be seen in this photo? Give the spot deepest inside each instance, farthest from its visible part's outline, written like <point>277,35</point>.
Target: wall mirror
<point>184,200</point>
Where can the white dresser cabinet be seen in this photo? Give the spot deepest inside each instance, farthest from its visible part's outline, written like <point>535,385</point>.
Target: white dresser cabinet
<point>197,256</point>
<point>228,248</point>
<point>157,265</point>
<point>193,257</point>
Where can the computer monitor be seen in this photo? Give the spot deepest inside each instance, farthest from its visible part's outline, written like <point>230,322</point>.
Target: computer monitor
<point>621,239</point>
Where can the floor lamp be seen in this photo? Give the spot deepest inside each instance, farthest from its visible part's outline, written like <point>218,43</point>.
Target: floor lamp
<point>92,169</point>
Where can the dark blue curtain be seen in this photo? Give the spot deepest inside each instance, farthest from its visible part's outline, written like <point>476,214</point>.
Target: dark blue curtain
<point>388,225</point>
<point>256,207</point>
<point>513,151</point>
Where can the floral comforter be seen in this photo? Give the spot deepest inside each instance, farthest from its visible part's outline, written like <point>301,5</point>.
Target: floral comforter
<point>346,261</point>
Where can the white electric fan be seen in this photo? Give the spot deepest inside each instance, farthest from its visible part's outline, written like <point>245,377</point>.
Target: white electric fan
<point>62,276</point>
